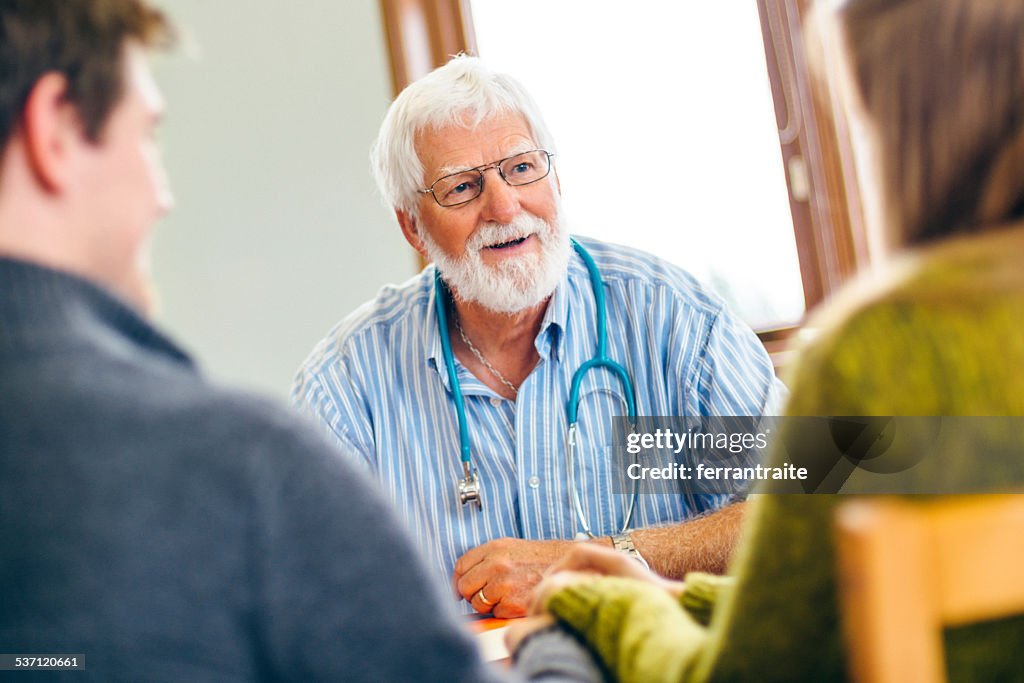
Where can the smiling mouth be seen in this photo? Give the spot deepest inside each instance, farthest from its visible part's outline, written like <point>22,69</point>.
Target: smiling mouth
<point>510,243</point>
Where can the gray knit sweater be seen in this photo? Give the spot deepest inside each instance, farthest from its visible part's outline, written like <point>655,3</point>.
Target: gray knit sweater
<point>172,531</point>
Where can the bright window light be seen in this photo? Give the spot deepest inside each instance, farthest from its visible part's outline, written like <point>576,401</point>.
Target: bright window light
<point>682,91</point>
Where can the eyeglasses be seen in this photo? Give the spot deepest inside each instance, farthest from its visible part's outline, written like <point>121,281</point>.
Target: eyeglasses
<point>465,186</point>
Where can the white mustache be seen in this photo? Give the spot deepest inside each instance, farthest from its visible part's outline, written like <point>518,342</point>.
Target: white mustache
<point>521,226</point>
<point>515,283</point>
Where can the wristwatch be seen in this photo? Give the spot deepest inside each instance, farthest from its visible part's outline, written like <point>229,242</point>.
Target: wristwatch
<point>624,544</point>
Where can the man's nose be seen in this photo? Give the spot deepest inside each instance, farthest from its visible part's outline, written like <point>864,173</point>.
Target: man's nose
<point>163,195</point>
<point>500,200</point>
<point>165,200</point>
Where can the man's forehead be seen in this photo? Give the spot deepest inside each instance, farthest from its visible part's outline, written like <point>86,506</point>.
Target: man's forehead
<point>456,147</point>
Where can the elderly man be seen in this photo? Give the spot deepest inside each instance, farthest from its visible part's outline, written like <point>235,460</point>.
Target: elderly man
<point>452,388</point>
<point>155,527</point>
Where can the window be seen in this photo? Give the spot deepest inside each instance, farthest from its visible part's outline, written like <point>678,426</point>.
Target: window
<point>704,186</point>
<point>681,72</point>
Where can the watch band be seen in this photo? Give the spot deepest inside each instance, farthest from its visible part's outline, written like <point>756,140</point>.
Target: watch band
<point>624,544</point>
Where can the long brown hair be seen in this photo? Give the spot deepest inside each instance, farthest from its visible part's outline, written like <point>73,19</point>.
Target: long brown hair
<point>942,82</point>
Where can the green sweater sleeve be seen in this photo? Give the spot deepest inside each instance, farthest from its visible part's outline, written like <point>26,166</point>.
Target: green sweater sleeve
<point>637,629</point>
<point>702,593</point>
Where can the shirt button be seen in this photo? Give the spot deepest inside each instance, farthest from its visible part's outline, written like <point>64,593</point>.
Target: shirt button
<point>495,402</point>
<point>534,482</point>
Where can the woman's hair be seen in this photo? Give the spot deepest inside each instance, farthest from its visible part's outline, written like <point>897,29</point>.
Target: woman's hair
<point>462,92</point>
<point>942,82</point>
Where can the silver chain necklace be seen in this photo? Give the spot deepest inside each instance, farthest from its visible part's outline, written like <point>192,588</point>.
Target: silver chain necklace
<point>480,357</point>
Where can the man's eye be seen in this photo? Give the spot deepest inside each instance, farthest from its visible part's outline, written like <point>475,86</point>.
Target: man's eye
<point>466,187</point>
<point>523,167</point>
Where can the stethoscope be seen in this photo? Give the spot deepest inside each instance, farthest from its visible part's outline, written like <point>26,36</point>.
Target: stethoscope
<point>468,487</point>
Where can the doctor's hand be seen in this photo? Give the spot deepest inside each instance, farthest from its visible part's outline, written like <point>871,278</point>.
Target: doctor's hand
<point>499,575</point>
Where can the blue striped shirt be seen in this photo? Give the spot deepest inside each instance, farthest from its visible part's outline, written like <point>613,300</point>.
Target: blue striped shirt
<point>379,385</point>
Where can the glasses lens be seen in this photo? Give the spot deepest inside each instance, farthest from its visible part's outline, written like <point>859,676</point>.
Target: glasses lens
<point>458,188</point>
<point>525,168</point>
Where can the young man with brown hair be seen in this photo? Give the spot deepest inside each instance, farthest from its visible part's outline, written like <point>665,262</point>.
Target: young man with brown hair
<point>156,526</point>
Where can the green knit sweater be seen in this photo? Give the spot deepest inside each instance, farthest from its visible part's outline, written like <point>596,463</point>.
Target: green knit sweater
<point>940,334</point>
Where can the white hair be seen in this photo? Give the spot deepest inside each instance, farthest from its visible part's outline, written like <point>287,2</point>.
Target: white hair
<point>463,92</point>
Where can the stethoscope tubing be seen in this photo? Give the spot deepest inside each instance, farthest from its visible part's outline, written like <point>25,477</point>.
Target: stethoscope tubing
<point>599,360</point>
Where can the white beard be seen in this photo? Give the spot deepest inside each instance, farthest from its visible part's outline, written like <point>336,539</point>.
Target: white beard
<point>515,284</point>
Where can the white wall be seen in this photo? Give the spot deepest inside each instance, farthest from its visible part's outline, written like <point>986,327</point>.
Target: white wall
<point>278,230</point>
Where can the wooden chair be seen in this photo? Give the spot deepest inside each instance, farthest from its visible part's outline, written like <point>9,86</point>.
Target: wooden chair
<point>907,569</point>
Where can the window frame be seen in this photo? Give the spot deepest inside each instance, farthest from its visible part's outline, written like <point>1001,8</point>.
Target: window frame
<point>422,35</point>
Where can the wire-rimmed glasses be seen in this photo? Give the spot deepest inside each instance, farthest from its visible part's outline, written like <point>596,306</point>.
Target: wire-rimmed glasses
<point>465,186</point>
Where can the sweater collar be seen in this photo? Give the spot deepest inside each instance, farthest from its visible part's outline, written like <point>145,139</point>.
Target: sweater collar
<point>39,303</point>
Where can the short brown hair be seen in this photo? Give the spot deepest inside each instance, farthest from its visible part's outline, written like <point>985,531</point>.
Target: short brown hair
<point>943,84</point>
<point>83,40</point>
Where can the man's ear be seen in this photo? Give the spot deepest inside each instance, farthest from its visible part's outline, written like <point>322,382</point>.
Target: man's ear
<point>411,230</point>
<point>52,130</point>
<point>558,183</point>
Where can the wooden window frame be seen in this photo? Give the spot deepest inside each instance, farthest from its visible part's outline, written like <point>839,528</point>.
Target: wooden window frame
<point>815,153</point>
<point>424,34</point>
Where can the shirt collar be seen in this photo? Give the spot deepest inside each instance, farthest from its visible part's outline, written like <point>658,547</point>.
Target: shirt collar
<point>431,331</point>
<point>470,385</point>
<point>38,300</point>
<point>555,321</point>
<point>548,341</point>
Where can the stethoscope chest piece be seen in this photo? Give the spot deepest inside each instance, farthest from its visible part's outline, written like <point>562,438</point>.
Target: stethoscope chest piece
<point>469,487</point>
